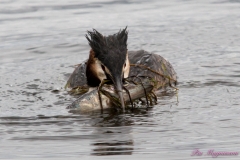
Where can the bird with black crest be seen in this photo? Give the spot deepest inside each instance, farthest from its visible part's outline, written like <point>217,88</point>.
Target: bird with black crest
<point>110,61</point>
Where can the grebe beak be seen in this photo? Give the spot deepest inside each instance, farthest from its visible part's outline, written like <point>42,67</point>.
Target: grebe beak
<point>119,89</point>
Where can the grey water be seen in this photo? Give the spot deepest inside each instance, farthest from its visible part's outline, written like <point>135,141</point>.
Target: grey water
<point>41,41</point>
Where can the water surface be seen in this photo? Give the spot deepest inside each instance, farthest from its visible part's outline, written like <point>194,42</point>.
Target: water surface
<point>41,41</point>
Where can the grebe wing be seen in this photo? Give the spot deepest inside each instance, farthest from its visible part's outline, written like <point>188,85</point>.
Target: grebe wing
<point>139,59</point>
<point>78,78</point>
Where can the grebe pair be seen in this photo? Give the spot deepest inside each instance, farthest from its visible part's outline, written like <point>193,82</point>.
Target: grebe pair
<point>109,59</point>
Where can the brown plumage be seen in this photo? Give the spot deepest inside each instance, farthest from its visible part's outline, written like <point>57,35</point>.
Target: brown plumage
<point>93,79</point>
<point>141,57</point>
<point>109,59</point>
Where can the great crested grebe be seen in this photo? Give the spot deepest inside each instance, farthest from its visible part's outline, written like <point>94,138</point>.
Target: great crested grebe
<point>109,59</point>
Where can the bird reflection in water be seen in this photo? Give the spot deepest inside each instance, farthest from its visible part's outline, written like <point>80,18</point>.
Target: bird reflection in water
<point>117,148</point>
<point>113,133</point>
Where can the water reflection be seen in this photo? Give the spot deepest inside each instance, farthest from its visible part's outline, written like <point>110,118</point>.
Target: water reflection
<point>112,132</point>
<point>113,141</point>
<point>117,148</point>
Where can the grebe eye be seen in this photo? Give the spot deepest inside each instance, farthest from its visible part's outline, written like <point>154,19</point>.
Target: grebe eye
<point>103,68</point>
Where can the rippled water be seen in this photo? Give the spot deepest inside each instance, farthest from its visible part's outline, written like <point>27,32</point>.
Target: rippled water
<point>41,41</point>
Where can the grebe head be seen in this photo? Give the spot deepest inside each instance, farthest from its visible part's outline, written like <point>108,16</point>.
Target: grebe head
<point>111,53</point>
